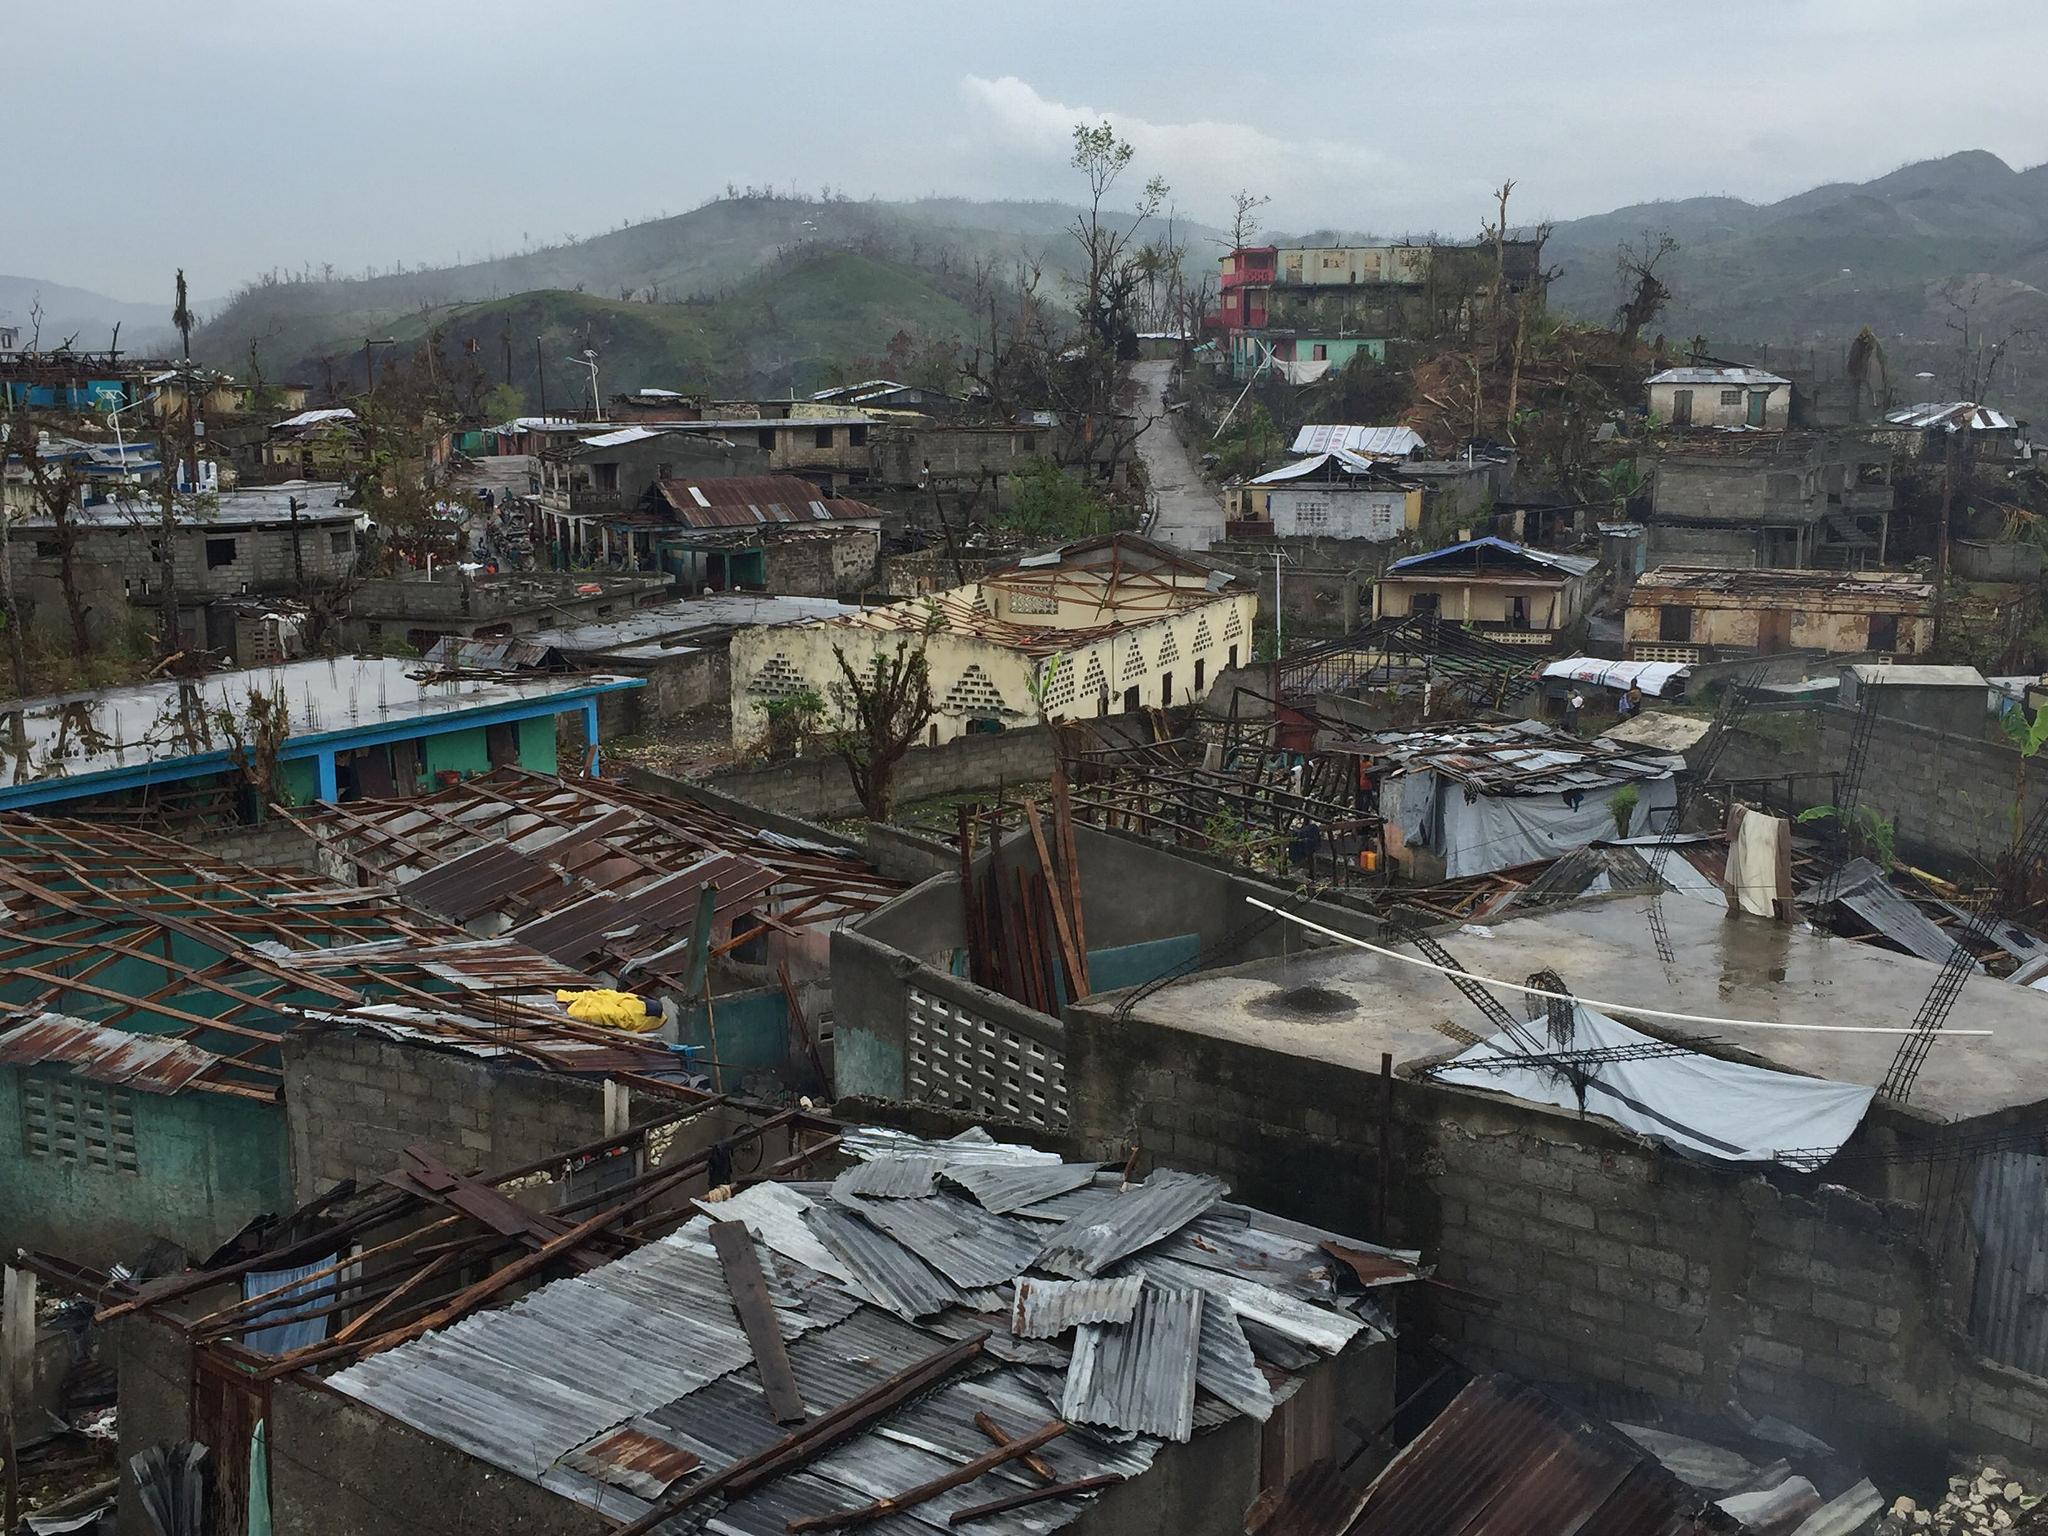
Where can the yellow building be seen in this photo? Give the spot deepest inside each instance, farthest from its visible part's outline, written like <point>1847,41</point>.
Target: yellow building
<point>1097,627</point>
<point>1513,593</point>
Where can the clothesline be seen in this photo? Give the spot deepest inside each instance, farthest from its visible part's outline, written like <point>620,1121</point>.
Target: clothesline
<point>1594,1002</point>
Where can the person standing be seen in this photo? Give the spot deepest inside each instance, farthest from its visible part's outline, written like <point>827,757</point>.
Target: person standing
<point>1572,707</point>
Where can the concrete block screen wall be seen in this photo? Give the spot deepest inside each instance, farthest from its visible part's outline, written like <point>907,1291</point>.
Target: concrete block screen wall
<point>1168,661</point>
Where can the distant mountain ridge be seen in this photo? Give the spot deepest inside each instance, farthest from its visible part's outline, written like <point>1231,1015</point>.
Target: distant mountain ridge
<point>80,313</point>
<point>1810,269</point>
<point>1823,263</point>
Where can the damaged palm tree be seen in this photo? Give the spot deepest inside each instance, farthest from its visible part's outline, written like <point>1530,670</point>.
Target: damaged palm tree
<point>883,706</point>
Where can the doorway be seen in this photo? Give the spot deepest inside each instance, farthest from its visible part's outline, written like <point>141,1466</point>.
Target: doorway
<point>1773,631</point>
<point>1681,408</point>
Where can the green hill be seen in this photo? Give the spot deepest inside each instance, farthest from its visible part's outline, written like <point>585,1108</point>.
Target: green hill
<point>740,250</point>
<point>794,326</point>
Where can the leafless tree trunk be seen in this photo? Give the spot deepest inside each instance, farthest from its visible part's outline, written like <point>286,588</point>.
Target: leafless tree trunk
<point>10,610</point>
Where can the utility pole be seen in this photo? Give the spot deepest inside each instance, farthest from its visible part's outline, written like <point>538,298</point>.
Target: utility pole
<point>1948,496</point>
<point>298,553</point>
<point>541,368</point>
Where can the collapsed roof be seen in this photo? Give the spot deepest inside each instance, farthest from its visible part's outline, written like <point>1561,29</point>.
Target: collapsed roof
<point>1138,1314</point>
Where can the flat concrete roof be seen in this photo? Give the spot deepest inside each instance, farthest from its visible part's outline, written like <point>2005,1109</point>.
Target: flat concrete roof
<point>1345,1006</point>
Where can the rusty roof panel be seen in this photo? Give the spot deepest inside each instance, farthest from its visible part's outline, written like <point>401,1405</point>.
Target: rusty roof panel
<point>1045,1309</point>
<point>1504,1458</point>
<point>145,1063</point>
<point>634,1460</point>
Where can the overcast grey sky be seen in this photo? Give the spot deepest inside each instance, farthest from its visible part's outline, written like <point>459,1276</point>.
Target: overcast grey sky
<point>245,134</point>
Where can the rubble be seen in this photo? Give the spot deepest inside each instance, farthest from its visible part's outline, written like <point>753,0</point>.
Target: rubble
<point>1991,1501</point>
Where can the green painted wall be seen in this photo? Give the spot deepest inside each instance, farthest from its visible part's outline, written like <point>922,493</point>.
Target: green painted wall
<point>464,751</point>
<point>537,744</point>
<point>207,1163</point>
<point>301,777</point>
<point>751,1034</point>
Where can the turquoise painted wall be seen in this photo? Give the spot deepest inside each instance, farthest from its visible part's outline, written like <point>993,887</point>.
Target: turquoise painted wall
<point>537,744</point>
<point>463,751</point>
<point>301,779</point>
<point>752,1030</point>
<point>207,1163</point>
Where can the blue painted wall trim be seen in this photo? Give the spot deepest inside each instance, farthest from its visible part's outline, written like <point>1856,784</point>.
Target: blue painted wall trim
<point>320,747</point>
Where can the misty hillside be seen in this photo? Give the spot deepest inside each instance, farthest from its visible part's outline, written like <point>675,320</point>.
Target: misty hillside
<point>793,326</point>
<point>1808,270</point>
<point>705,254</point>
<point>1824,263</point>
<point>89,317</point>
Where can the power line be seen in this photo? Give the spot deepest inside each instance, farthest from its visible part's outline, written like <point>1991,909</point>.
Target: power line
<point>1594,1002</point>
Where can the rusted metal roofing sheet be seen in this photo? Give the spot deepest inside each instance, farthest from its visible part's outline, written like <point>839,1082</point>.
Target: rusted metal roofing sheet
<point>742,501</point>
<point>1316,1501</point>
<point>889,1178</point>
<point>1006,1187</point>
<point>1139,1376</point>
<point>1136,1217</point>
<point>1505,1459</point>
<point>146,1063</point>
<point>1045,1309</point>
<point>631,1458</point>
<point>2009,1217</point>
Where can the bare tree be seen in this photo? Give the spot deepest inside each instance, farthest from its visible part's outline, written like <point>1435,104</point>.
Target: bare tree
<point>884,706</point>
<point>54,491</point>
<point>1640,267</point>
<point>1244,217</point>
<point>1977,354</point>
<point>10,610</point>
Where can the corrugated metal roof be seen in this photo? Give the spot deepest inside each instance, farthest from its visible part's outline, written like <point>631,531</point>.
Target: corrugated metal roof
<point>971,1148</point>
<point>631,1458</point>
<point>1864,889</point>
<point>1384,442</point>
<point>1732,377</point>
<point>1568,565</point>
<point>1136,1216</point>
<point>1504,1458</point>
<point>1322,1327</point>
<point>1227,1368</point>
<point>956,1237</point>
<point>889,1178</point>
<point>743,501</point>
<point>1951,416</point>
<point>1045,1309</point>
<point>599,1387</point>
<point>1139,1376</point>
<point>879,1265</point>
<point>1007,1187</point>
<point>145,1063</point>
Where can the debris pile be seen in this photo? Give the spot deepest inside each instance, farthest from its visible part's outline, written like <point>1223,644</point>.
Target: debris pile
<point>1988,1503</point>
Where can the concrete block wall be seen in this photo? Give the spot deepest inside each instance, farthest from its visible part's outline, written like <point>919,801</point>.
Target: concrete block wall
<point>818,785</point>
<point>1949,797</point>
<point>355,1102</point>
<point>1588,1256</point>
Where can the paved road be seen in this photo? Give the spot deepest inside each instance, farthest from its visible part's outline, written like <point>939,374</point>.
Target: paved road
<point>1190,515</point>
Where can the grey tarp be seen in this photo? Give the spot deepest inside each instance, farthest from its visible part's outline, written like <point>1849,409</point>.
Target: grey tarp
<point>1719,1109</point>
<point>1492,832</point>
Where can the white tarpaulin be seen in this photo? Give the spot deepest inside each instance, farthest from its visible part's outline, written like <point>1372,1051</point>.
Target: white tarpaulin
<point>1653,677</point>
<point>1718,1109</point>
